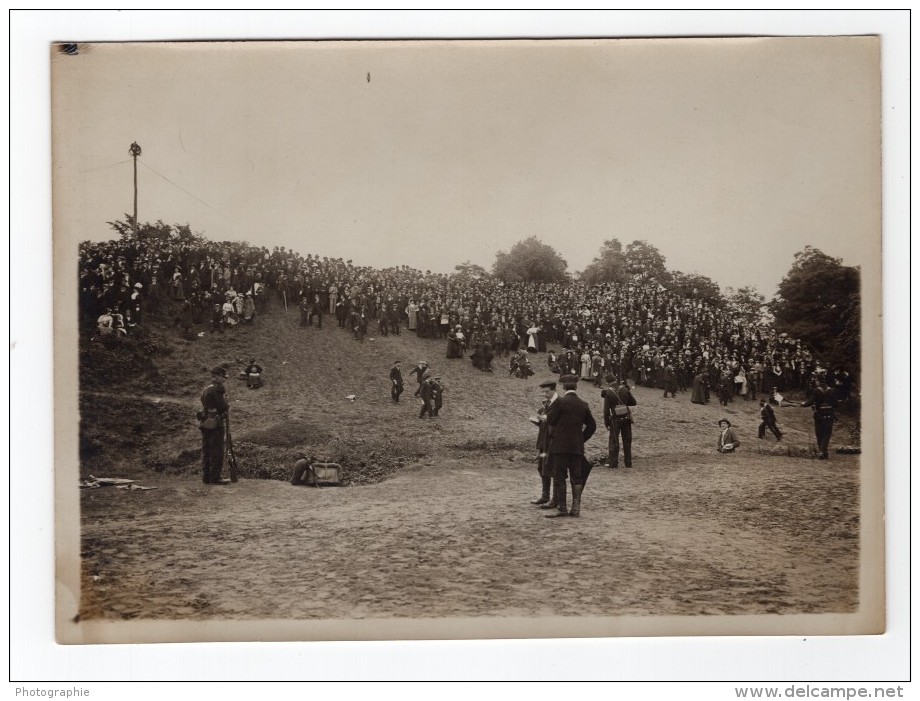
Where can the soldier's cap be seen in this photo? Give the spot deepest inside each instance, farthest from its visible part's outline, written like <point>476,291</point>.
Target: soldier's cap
<point>569,379</point>
<point>551,384</point>
<point>396,362</point>
<point>725,421</point>
<point>218,370</point>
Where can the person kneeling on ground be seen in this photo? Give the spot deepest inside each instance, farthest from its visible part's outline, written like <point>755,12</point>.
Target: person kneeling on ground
<point>252,374</point>
<point>302,468</point>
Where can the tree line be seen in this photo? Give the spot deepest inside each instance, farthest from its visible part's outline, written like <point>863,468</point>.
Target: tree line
<point>817,301</point>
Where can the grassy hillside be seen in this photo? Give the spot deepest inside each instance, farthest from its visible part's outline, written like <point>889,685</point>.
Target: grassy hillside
<point>139,396</point>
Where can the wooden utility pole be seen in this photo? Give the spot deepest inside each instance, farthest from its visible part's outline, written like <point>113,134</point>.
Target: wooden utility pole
<point>135,151</point>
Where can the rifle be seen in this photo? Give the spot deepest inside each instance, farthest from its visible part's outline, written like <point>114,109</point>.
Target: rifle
<point>231,456</point>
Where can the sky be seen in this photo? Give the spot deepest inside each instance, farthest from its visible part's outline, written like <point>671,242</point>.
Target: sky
<point>729,155</point>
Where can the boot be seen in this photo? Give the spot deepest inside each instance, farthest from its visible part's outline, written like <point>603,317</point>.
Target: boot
<point>560,501</point>
<point>577,489</point>
<point>544,497</point>
<point>554,501</point>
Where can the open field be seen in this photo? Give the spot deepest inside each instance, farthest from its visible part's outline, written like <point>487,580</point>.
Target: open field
<point>436,520</point>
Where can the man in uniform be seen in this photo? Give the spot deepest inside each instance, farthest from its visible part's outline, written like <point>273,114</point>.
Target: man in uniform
<point>212,425</point>
<point>822,401</point>
<point>544,467</point>
<point>618,420</point>
<point>396,381</point>
<point>572,425</point>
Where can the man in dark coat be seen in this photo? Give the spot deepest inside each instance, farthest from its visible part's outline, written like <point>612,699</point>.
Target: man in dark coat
<point>212,423</point>
<point>822,400</point>
<point>316,310</point>
<point>544,466</point>
<point>437,395</point>
<point>618,420</point>
<point>571,424</point>
<point>670,381</point>
<point>426,391</point>
<point>419,371</point>
<point>768,420</point>
<point>396,381</point>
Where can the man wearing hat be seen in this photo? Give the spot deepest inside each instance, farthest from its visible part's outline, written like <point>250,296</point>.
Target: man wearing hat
<point>419,370</point>
<point>437,395</point>
<point>212,425</point>
<point>396,381</point>
<point>618,420</point>
<point>544,466</point>
<point>822,400</point>
<point>572,424</point>
<point>728,439</point>
<point>426,391</point>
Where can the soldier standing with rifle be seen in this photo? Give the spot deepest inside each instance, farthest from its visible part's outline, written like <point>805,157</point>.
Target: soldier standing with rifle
<point>212,423</point>
<point>822,401</point>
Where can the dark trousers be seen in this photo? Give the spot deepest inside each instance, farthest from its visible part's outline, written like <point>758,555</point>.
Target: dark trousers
<point>212,454</point>
<point>620,427</point>
<point>395,391</point>
<point>426,408</point>
<point>774,429</point>
<point>569,465</point>
<point>824,426</point>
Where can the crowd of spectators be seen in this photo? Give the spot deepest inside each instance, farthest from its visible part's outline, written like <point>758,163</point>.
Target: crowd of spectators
<point>605,332</point>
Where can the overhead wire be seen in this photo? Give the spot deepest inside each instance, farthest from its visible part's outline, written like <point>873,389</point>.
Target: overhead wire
<point>108,165</point>
<point>228,221</point>
<point>175,184</point>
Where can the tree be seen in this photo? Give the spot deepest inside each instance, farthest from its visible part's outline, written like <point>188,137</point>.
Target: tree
<point>158,231</point>
<point>530,260</point>
<point>643,259</point>
<point>608,266</point>
<point>819,302</point>
<point>747,303</point>
<point>470,270</point>
<point>696,286</point>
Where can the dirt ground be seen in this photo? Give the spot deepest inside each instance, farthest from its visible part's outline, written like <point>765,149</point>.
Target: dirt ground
<point>458,538</point>
<point>436,520</point>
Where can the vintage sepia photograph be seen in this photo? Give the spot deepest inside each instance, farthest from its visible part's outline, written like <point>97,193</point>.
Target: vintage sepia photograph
<point>456,345</point>
<point>467,339</point>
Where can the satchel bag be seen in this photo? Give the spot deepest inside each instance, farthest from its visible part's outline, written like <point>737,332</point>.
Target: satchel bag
<point>621,409</point>
<point>207,423</point>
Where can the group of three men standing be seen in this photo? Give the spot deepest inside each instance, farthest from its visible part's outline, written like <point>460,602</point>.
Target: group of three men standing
<point>565,425</point>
